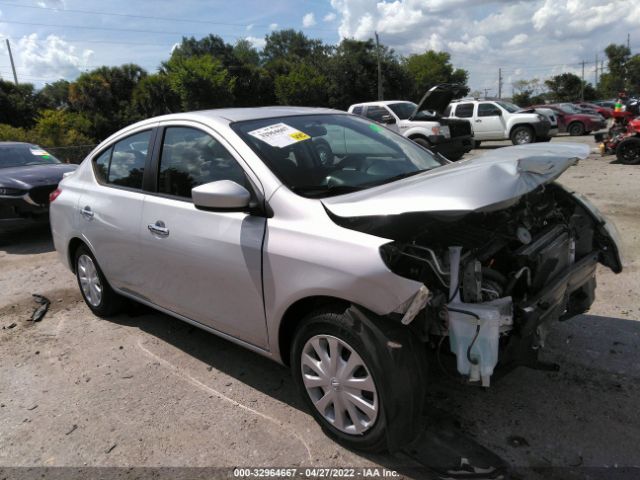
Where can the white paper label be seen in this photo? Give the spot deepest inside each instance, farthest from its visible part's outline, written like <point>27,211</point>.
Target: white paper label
<point>39,152</point>
<point>279,135</point>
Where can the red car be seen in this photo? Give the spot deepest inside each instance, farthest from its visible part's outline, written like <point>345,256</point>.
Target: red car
<point>570,119</point>
<point>604,111</point>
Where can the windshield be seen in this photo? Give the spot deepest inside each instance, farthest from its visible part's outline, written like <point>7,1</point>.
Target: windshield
<point>403,110</point>
<point>22,154</point>
<point>509,107</point>
<point>323,155</point>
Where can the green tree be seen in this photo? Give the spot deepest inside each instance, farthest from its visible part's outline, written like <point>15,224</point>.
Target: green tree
<point>615,79</point>
<point>212,45</point>
<point>431,68</point>
<point>246,53</point>
<point>155,96</point>
<point>18,105</point>
<point>303,85</point>
<point>200,82</point>
<point>57,128</point>
<point>633,74</point>
<point>293,46</point>
<point>54,95</point>
<point>104,97</point>
<point>566,87</point>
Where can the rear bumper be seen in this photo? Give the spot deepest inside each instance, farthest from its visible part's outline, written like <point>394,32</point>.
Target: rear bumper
<point>454,147</point>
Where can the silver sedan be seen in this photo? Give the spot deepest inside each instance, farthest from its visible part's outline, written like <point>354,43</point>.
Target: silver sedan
<point>328,243</point>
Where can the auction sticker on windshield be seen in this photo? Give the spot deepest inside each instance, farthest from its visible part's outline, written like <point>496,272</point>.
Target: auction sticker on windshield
<point>279,135</point>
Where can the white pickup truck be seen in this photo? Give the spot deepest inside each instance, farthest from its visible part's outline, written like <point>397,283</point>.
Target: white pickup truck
<point>423,123</point>
<point>498,120</point>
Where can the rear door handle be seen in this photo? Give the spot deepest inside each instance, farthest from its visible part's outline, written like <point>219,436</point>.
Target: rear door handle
<point>87,212</point>
<point>158,228</point>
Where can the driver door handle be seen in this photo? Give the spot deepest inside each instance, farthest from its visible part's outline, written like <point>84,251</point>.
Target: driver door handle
<point>158,228</point>
<point>87,212</point>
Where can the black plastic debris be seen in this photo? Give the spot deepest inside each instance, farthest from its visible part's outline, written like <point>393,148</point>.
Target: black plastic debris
<point>39,313</point>
<point>9,327</point>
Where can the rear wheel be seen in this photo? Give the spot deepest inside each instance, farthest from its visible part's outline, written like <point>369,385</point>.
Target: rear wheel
<point>628,151</point>
<point>476,143</point>
<point>339,381</point>
<point>95,289</point>
<point>576,129</point>
<point>522,135</point>
<point>422,142</point>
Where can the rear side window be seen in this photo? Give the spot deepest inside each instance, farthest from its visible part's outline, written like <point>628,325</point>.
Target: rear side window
<point>123,163</point>
<point>376,113</point>
<point>191,157</point>
<point>357,110</point>
<point>464,110</point>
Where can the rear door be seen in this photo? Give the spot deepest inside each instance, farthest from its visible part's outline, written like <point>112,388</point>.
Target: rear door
<point>110,213</point>
<point>204,265</point>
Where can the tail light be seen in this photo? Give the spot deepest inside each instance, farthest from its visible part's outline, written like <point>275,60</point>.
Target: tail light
<point>53,195</point>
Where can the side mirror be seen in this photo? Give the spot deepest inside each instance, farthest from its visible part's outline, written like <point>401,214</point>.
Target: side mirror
<point>497,112</point>
<point>221,195</point>
<point>388,120</point>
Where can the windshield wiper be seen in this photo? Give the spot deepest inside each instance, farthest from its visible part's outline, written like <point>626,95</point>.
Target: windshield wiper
<point>325,190</point>
<point>395,178</point>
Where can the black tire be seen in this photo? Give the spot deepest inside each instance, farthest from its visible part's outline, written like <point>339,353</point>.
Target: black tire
<point>628,151</point>
<point>576,129</point>
<point>396,362</point>
<point>422,142</point>
<point>324,151</point>
<point>454,156</point>
<point>544,139</point>
<point>110,302</point>
<point>476,143</point>
<point>522,135</point>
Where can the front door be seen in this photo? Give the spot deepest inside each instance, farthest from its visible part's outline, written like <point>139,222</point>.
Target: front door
<point>204,265</point>
<point>489,123</point>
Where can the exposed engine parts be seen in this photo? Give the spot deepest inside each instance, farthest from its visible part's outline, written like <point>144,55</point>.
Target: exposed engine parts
<point>497,280</point>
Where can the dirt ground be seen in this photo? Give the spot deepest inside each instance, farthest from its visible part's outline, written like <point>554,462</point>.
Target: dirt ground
<point>146,390</point>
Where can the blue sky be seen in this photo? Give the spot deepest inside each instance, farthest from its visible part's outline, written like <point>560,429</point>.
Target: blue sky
<point>529,38</point>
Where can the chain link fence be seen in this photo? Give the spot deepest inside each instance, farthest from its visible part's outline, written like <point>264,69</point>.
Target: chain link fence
<point>71,154</point>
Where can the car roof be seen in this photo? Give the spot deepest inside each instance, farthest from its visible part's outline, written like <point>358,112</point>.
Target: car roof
<point>381,102</point>
<point>13,144</point>
<point>254,113</point>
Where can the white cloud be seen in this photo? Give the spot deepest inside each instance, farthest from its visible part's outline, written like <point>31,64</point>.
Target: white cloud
<point>309,20</point>
<point>273,26</point>
<point>51,57</point>
<point>258,42</point>
<point>518,39</point>
<point>329,17</point>
<point>249,27</point>
<point>58,4</point>
<point>473,45</point>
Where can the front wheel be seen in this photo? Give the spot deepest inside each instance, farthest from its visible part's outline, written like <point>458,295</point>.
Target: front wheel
<point>96,291</point>
<point>522,135</point>
<point>628,152</point>
<point>339,381</point>
<point>576,129</point>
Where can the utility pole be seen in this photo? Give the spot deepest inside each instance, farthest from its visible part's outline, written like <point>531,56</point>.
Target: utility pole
<point>486,92</point>
<point>13,67</point>
<point>380,92</point>
<point>596,84</point>
<point>582,83</point>
<point>499,83</point>
<point>629,41</point>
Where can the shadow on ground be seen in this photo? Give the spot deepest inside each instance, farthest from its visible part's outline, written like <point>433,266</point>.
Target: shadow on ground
<point>519,421</point>
<point>26,240</point>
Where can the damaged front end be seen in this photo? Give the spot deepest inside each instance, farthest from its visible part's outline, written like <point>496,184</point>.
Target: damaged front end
<point>497,276</point>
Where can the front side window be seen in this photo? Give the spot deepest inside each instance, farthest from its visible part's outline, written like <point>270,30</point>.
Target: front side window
<point>488,110</point>
<point>464,110</point>
<point>376,113</point>
<point>128,158</point>
<point>190,158</point>
<point>403,110</point>
<point>323,155</point>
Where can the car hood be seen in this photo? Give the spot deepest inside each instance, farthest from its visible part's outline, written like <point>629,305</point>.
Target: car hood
<point>492,181</point>
<point>34,175</point>
<point>439,97</point>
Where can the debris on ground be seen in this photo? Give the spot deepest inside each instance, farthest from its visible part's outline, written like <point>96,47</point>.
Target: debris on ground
<point>110,449</point>
<point>39,313</point>
<point>9,327</point>
<point>73,429</point>
<point>517,441</point>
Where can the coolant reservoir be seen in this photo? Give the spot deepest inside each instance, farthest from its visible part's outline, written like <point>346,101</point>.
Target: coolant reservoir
<point>462,331</point>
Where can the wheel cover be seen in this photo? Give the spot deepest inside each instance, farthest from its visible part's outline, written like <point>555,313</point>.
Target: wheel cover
<point>339,384</point>
<point>89,280</point>
<point>523,136</point>
<point>630,152</point>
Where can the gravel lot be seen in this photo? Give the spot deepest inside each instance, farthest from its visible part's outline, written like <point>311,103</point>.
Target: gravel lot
<point>144,389</point>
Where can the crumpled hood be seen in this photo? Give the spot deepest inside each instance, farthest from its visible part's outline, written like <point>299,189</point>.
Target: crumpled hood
<point>34,175</point>
<point>485,183</point>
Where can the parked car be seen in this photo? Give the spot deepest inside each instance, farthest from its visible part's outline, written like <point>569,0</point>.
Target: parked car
<point>497,120</point>
<point>345,270</point>
<point>606,112</point>
<point>610,104</point>
<point>550,115</point>
<point>423,123</point>
<point>574,122</point>
<point>28,174</point>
